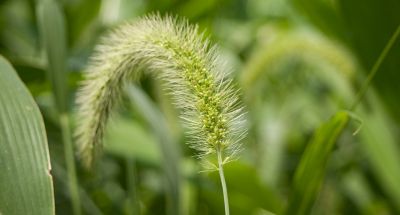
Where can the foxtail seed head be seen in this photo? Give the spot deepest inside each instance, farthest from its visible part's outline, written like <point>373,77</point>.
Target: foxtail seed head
<point>190,70</point>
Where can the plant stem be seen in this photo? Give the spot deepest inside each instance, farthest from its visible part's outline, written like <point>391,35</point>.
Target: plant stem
<point>70,163</point>
<point>134,207</point>
<point>375,68</point>
<point>223,183</point>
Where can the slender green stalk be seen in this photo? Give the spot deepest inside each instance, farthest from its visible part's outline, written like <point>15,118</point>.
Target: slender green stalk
<point>375,68</point>
<point>223,183</point>
<point>134,207</point>
<point>70,163</point>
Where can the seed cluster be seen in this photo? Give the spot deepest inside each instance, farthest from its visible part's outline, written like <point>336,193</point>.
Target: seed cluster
<point>175,52</point>
<point>202,85</point>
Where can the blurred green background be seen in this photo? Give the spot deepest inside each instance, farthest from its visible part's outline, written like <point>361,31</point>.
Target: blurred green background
<point>297,63</point>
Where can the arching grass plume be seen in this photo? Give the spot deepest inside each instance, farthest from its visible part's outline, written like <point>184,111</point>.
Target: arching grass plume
<point>190,69</point>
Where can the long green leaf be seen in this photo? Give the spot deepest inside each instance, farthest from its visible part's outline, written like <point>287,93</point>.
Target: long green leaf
<point>379,142</point>
<point>26,185</point>
<point>310,173</point>
<point>52,30</point>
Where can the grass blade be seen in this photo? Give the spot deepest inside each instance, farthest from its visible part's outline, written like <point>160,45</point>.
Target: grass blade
<point>52,30</point>
<point>133,195</point>
<point>168,147</point>
<point>379,142</point>
<point>26,185</point>
<point>310,173</point>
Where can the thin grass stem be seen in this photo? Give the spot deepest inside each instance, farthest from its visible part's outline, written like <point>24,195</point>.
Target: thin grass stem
<point>223,183</point>
<point>70,163</point>
<point>375,68</point>
<point>134,206</point>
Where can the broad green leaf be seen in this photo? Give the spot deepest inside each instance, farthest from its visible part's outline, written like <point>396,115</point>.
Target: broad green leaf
<point>310,172</point>
<point>52,28</point>
<point>26,185</point>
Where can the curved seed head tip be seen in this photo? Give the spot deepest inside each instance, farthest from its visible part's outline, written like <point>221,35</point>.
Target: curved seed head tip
<point>189,67</point>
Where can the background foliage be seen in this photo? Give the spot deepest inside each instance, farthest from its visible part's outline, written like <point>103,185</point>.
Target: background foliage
<point>298,62</point>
